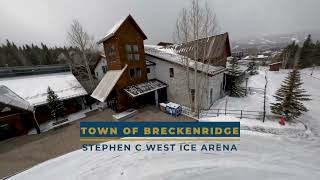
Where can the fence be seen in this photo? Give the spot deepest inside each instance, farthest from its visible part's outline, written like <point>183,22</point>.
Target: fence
<point>217,112</point>
<point>237,113</point>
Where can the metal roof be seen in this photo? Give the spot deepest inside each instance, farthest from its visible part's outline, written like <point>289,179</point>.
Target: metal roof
<point>144,88</point>
<point>107,83</point>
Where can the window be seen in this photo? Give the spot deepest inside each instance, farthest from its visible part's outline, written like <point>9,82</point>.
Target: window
<point>135,48</point>
<point>148,70</point>
<point>192,91</point>
<point>132,73</point>
<point>130,57</point>
<point>110,50</point>
<point>136,57</point>
<point>138,73</point>
<point>128,48</point>
<point>135,72</point>
<point>171,72</point>
<point>132,52</point>
<point>104,69</point>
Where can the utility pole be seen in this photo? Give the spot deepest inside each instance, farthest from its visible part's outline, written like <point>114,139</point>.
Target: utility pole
<point>265,97</point>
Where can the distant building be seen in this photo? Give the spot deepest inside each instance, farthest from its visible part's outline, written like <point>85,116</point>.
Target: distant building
<point>163,44</point>
<point>275,66</point>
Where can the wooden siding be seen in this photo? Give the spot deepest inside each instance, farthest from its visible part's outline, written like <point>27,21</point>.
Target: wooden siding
<point>126,34</point>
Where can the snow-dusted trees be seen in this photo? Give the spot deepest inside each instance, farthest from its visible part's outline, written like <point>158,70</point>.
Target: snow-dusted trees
<point>54,104</point>
<point>80,39</point>
<point>290,96</point>
<point>252,68</point>
<point>195,22</point>
<point>236,90</point>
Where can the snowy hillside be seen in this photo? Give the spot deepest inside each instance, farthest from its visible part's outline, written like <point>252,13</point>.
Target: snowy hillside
<point>261,155</point>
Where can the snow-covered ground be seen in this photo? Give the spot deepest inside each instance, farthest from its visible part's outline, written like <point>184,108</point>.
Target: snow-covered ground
<point>71,117</point>
<point>254,101</point>
<point>260,155</point>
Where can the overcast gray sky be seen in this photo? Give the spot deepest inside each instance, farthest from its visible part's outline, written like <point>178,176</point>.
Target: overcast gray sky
<point>34,21</point>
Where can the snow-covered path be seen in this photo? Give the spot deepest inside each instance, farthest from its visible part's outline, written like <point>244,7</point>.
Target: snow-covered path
<point>260,156</point>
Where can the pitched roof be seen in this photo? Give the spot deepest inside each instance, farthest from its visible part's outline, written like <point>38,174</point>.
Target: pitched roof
<point>33,88</point>
<point>210,47</point>
<point>275,63</point>
<point>113,30</point>
<point>170,55</point>
<point>107,83</point>
<point>8,97</point>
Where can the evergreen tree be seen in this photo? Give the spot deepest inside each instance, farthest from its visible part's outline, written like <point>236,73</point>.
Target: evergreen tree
<point>54,104</point>
<point>307,51</point>
<point>289,97</point>
<point>236,90</point>
<point>289,54</point>
<point>252,68</point>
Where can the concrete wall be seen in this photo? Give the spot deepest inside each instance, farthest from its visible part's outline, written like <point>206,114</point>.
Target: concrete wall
<point>177,91</point>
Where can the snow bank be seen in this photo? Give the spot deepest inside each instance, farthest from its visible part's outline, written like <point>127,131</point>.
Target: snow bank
<point>259,157</point>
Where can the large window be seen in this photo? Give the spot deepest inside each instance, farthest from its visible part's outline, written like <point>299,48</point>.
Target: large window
<point>171,72</point>
<point>132,52</point>
<point>135,72</point>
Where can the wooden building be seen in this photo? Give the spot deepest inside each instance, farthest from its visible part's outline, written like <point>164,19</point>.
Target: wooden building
<point>124,51</point>
<point>275,66</point>
<point>23,94</point>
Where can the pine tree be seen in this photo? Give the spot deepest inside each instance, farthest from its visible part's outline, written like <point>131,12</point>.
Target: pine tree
<point>236,79</point>
<point>289,97</point>
<point>54,104</point>
<point>252,68</point>
<point>307,51</point>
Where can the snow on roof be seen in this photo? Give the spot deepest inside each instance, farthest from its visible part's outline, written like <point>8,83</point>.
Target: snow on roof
<point>261,56</point>
<point>170,55</point>
<point>33,88</point>
<point>112,31</point>
<point>211,47</point>
<point>146,87</point>
<point>107,83</point>
<point>150,63</point>
<point>275,63</point>
<point>10,98</point>
<point>247,57</point>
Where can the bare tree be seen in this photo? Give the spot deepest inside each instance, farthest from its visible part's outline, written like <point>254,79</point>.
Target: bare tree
<point>182,35</point>
<point>80,39</point>
<point>197,21</point>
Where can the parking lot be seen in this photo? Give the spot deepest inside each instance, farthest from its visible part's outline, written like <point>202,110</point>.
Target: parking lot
<point>23,152</point>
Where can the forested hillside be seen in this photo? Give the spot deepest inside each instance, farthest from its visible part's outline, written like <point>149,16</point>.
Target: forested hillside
<point>13,55</point>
